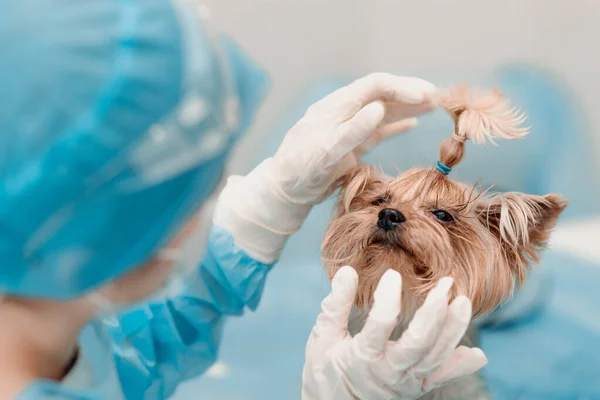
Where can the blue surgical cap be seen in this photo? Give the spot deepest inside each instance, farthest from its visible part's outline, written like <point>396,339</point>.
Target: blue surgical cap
<point>116,120</point>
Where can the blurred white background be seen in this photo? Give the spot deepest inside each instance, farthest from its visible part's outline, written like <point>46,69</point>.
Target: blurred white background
<point>299,41</point>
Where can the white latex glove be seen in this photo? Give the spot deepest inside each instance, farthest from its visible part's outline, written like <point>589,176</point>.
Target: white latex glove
<point>368,366</point>
<point>261,209</point>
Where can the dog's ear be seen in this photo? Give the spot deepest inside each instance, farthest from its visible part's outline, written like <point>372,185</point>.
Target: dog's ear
<point>522,223</point>
<point>358,181</point>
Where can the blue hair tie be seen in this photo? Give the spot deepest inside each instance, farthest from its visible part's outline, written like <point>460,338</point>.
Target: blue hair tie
<point>443,168</point>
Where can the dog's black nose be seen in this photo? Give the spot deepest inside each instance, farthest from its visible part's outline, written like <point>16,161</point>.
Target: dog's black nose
<point>389,219</point>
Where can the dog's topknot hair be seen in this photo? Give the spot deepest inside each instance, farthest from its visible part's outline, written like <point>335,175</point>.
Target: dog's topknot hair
<point>480,118</point>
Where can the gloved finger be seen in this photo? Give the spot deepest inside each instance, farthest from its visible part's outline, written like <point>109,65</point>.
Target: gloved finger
<point>395,128</point>
<point>392,88</point>
<point>381,86</point>
<point>371,341</point>
<point>423,330</point>
<point>332,323</point>
<point>453,330</point>
<point>356,131</point>
<point>463,361</point>
<point>395,112</point>
<point>385,132</point>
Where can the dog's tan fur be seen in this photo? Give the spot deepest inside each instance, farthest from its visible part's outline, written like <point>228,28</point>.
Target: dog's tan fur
<point>490,243</point>
<point>487,245</point>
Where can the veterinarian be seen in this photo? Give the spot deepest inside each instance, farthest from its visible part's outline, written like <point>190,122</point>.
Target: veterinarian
<point>117,119</point>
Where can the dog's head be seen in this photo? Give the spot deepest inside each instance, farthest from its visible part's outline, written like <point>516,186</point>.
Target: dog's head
<point>427,226</point>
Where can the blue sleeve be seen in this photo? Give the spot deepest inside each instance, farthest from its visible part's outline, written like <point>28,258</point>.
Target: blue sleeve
<point>163,343</point>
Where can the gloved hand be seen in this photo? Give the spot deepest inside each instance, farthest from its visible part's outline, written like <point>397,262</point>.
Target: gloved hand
<point>368,365</point>
<point>261,209</point>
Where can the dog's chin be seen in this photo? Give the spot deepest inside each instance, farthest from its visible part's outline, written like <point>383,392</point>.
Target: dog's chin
<point>378,258</point>
<point>396,255</point>
<point>392,242</point>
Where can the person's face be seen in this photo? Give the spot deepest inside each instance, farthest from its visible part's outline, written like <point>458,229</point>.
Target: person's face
<point>146,280</point>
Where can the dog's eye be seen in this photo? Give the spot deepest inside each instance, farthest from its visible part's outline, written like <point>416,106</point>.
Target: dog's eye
<point>443,215</point>
<point>379,201</point>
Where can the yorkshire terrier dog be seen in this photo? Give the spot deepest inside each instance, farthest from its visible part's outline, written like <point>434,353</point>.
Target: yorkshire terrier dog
<point>427,226</point>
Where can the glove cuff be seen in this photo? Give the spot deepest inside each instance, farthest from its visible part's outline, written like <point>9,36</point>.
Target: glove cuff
<point>257,214</point>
